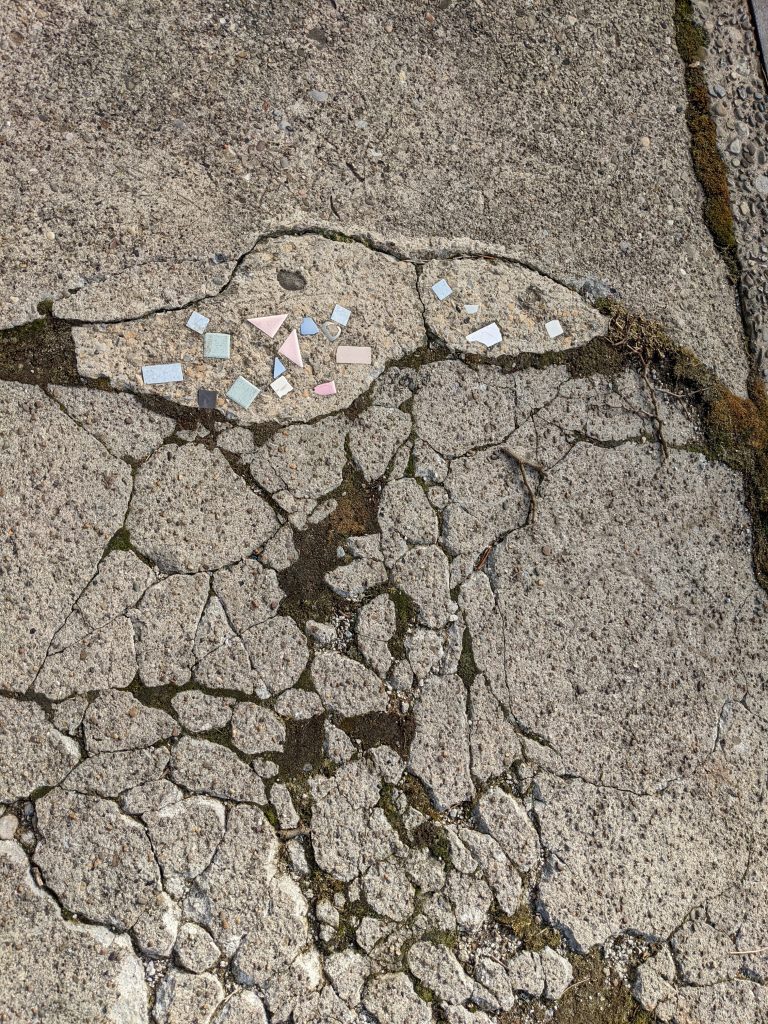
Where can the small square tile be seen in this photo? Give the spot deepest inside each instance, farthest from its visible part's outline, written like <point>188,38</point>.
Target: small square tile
<point>217,346</point>
<point>341,315</point>
<point>554,328</point>
<point>243,392</point>
<point>162,373</point>
<point>197,323</point>
<point>442,289</point>
<point>282,387</point>
<point>206,399</point>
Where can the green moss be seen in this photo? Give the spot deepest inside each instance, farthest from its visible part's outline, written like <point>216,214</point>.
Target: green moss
<point>593,998</point>
<point>705,155</point>
<point>405,616</point>
<point>530,929</point>
<point>434,837</point>
<point>40,352</point>
<point>121,541</point>
<point>735,428</point>
<point>467,668</point>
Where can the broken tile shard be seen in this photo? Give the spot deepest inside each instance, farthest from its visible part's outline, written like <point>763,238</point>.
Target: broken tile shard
<point>353,354</point>
<point>554,328</point>
<point>242,392</point>
<point>328,387</point>
<point>198,323</point>
<point>268,325</point>
<point>206,399</point>
<point>162,373</point>
<point>471,309</point>
<point>331,330</point>
<point>341,315</point>
<point>308,327</point>
<point>278,369</point>
<point>217,346</point>
<point>281,387</point>
<point>442,289</point>
<point>290,349</point>
<point>488,335</point>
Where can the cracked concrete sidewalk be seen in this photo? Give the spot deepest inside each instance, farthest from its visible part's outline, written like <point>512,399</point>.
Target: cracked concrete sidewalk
<point>443,699</point>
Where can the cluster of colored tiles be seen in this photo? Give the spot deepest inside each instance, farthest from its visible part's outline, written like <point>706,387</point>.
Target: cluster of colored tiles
<point>490,334</point>
<point>243,392</point>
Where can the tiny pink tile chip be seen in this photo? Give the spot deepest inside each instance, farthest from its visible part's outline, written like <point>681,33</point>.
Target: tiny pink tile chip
<point>268,325</point>
<point>353,354</point>
<point>328,387</point>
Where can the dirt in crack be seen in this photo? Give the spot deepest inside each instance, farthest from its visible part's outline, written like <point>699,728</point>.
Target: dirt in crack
<point>40,352</point>
<point>307,595</point>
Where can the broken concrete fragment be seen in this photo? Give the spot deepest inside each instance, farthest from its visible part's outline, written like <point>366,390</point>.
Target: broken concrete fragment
<point>242,1007</point>
<point>32,752</point>
<point>102,660</point>
<point>347,687</point>
<point>518,298</point>
<point>118,721</point>
<point>392,1000</point>
<point>279,653</point>
<point>205,767</point>
<point>249,593</point>
<point>48,963</point>
<point>558,973</point>
<point>166,621</point>
<point>526,974</point>
<point>200,712</point>
<point>185,836</point>
<point>422,575</point>
<point>117,586</point>
<point>190,511</point>
<point>440,750</point>
<point>111,774</point>
<point>182,997</point>
<point>67,509</point>
<point>98,861</point>
<point>257,730</point>
<point>120,422</point>
<point>405,518</point>
<point>354,580</point>
<point>504,817</point>
<point>457,408</point>
<point>436,967</point>
<point>375,436</point>
<point>156,928</point>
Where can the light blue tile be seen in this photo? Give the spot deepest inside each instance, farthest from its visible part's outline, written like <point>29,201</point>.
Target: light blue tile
<point>308,327</point>
<point>278,368</point>
<point>216,346</point>
<point>197,323</point>
<point>442,289</point>
<point>341,315</point>
<point>243,392</point>
<point>162,373</point>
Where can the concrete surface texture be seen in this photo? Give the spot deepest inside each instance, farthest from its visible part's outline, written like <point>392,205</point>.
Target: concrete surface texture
<point>440,697</point>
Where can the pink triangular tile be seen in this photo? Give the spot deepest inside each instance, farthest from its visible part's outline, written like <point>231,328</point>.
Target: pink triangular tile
<point>268,325</point>
<point>290,349</point>
<point>328,387</point>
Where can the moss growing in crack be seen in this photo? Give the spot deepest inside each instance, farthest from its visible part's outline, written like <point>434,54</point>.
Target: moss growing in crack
<point>707,161</point>
<point>40,352</point>
<point>405,616</point>
<point>530,929</point>
<point>467,668</point>
<point>735,428</point>
<point>381,728</point>
<point>433,836</point>
<point>595,996</point>
<point>120,541</point>
<point>355,514</point>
